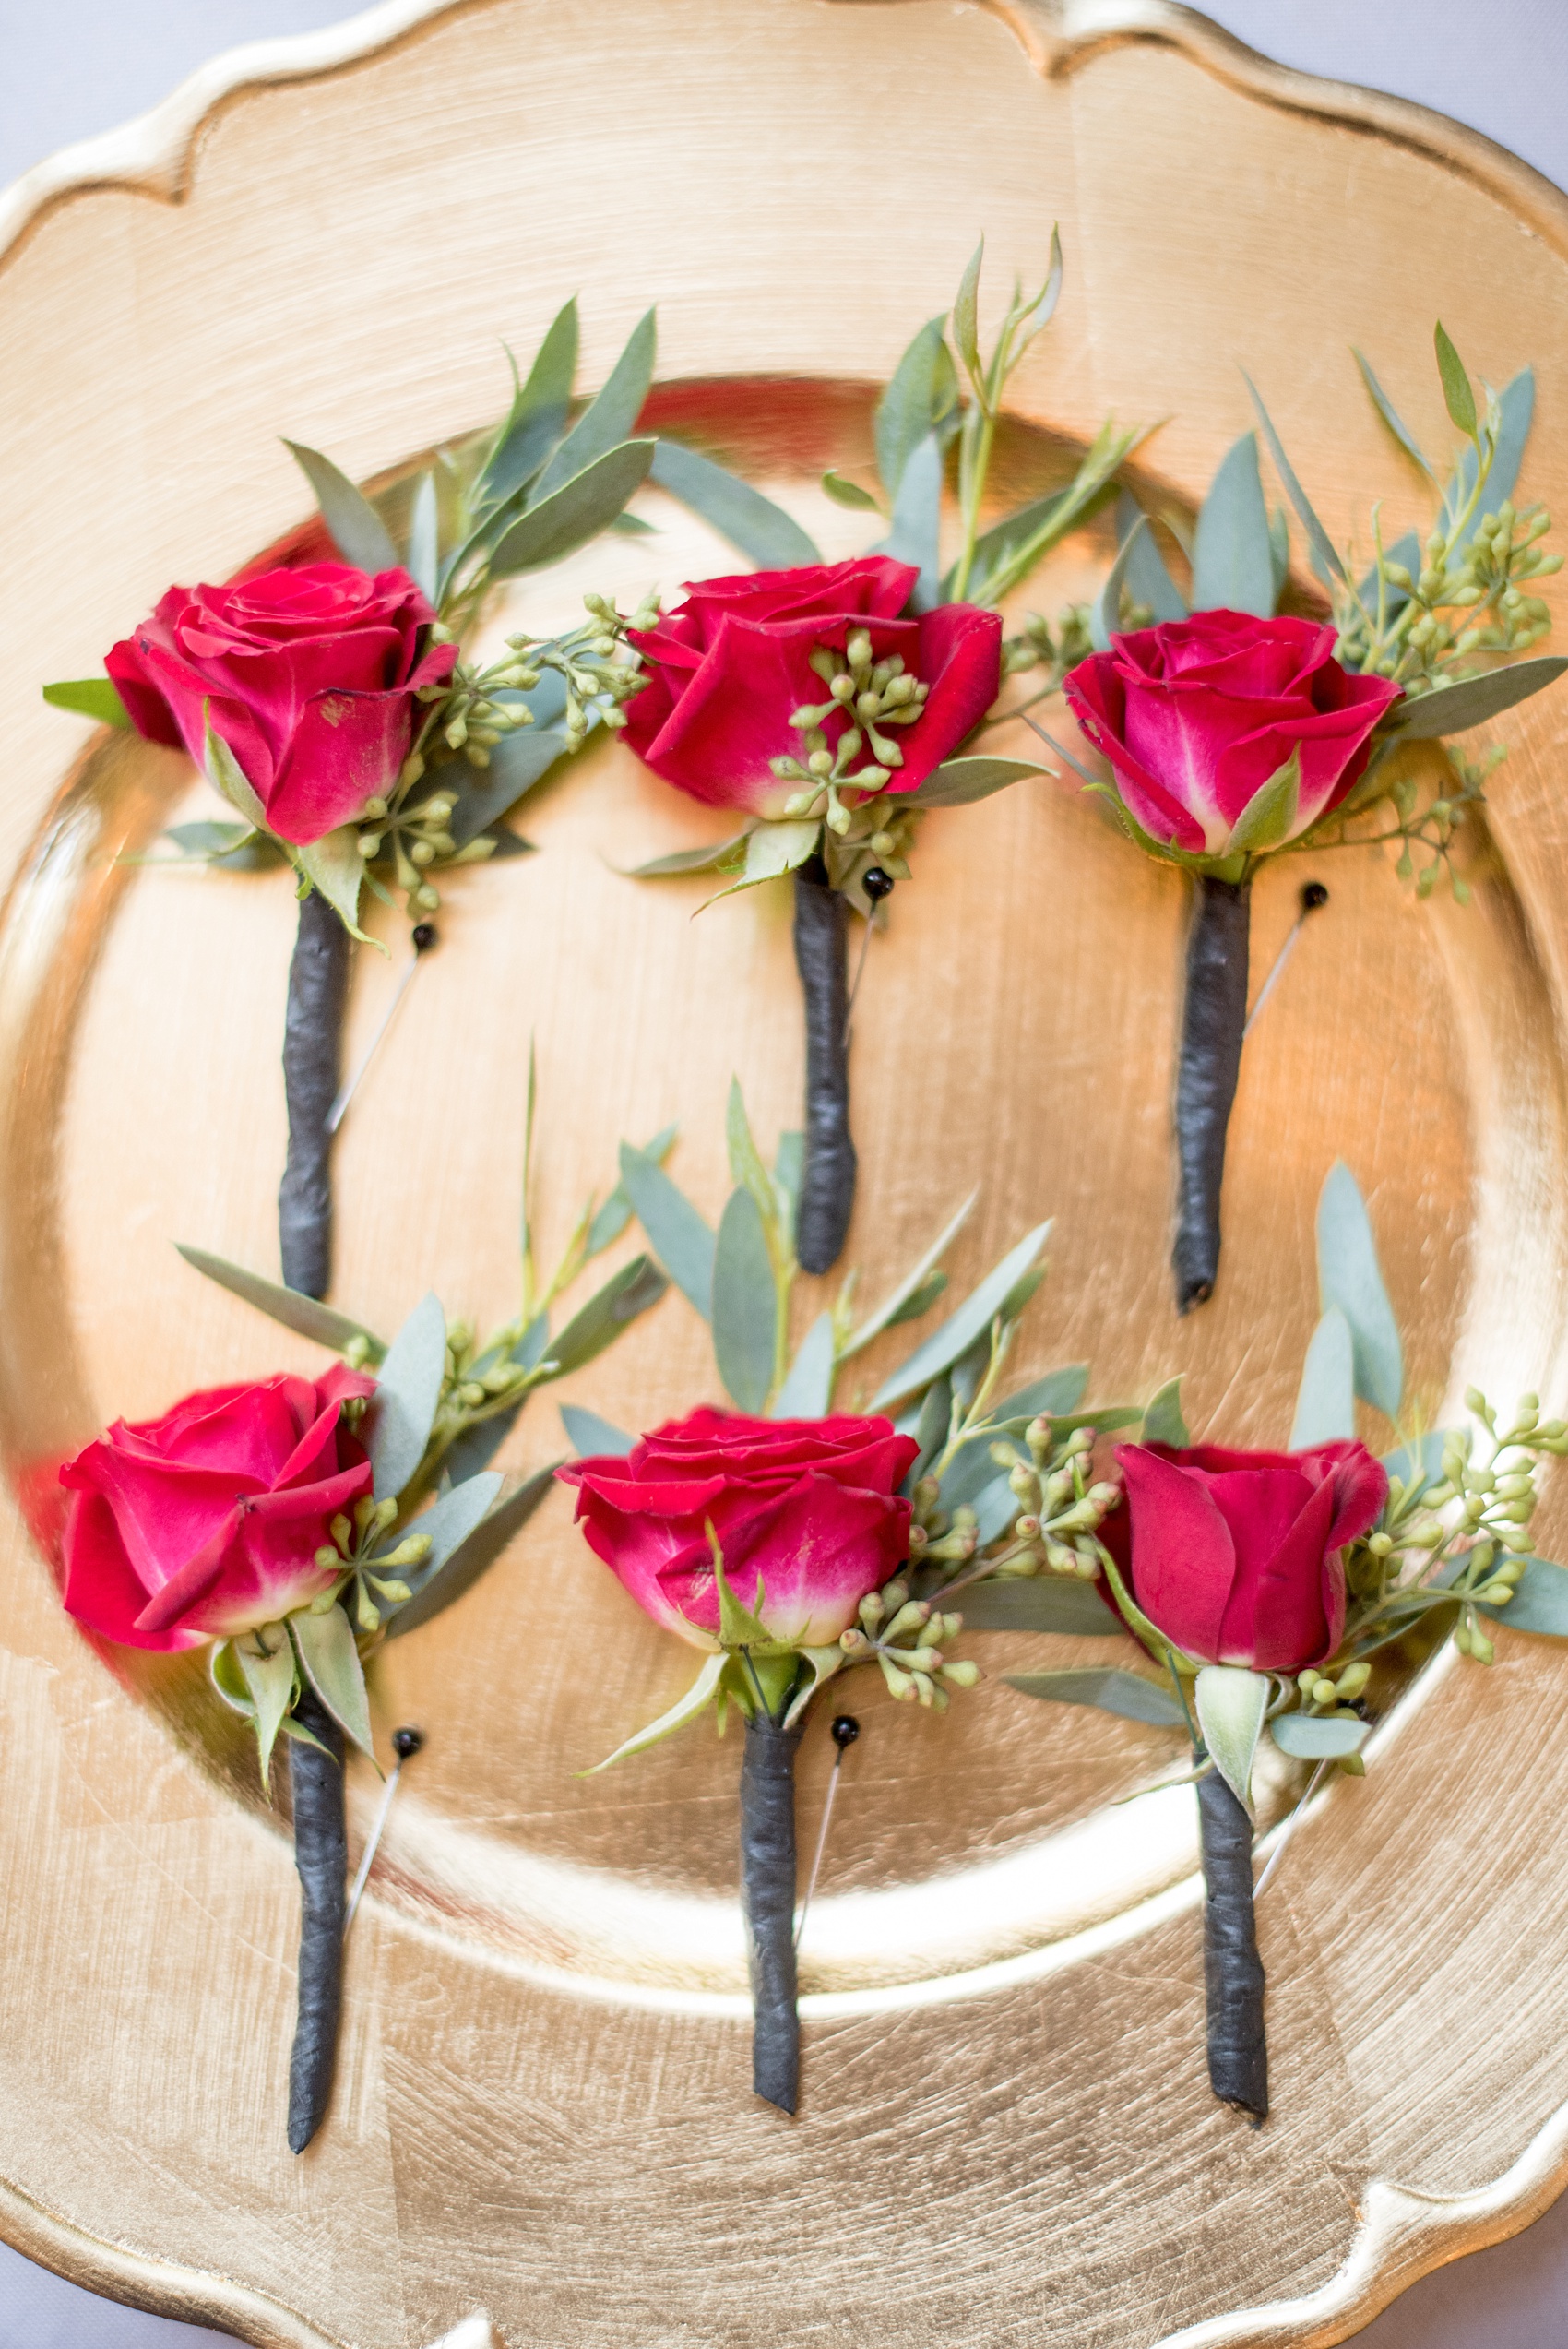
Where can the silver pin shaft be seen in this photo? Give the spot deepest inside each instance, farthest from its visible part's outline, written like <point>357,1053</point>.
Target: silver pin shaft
<point>1288,1829</point>
<point>346,1093</point>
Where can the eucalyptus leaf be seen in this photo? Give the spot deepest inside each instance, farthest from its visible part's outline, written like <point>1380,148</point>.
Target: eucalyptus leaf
<point>922,396</point>
<point>539,412</point>
<point>1316,1737</point>
<point>746,1159</point>
<point>1230,1706</point>
<point>597,1324</point>
<point>1269,816</point>
<point>408,1388</point>
<point>695,1700</point>
<point>326,1647</point>
<point>959,781</point>
<point>1043,308</point>
<point>476,1556</point>
<point>1325,1400</point>
<point>1005,554</point>
<point>1390,414</point>
<point>1516,403</point>
<point>592,1437</point>
<point>719,855</point>
<point>807,1392</point>
<point>1163,1422</point>
<point>1059,1603</point>
<point>474,1449</point>
<point>763,531</point>
<point>445,1525</point>
<point>966,320</point>
<point>1419,1464</point>
<point>579,510</point>
<point>745,1304</point>
<point>789,1166</point>
<point>1148,579</point>
<point>970,1322</point>
<point>616,1212</point>
<point>333,864</point>
<point>89,697</point>
<point>424,538</point>
<point>1232,560</point>
<point>1453,709</point>
<point>915,534</point>
<point>1056,1395</point>
<point>1105,615</point>
<point>1326,560</point>
<point>1458,397</point>
<point>269,1674</point>
<point>358,531</point>
<point>301,1314</point>
<point>844,491</point>
<point>1539,1600</point>
<point>919,1301</point>
<point>1350,1278</point>
<point>929,1427</point>
<point>234,847</point>
<point>610,417</point>
<point>894,1307</point>
<point>681,1241</point>
<point>1106,1687</point>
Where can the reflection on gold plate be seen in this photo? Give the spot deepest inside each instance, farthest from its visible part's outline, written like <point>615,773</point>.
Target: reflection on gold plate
<point>542,2103</point>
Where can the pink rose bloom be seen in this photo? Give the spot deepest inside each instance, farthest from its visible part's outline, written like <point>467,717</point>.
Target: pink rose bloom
<point>1196,715</point>
<point>806,1513</point>
<point>207,1522</point>
<point>309,675</point>
<point>1239,1556</point>
<point>731,665</point>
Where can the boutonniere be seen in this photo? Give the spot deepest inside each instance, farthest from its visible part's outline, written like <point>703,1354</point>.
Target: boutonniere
<point>799,1535</point>
<point>339,708</point>
<point>831,705</point>
<point>1272,1588</point>
<point>1233,731</point>
<point>291,1525</point>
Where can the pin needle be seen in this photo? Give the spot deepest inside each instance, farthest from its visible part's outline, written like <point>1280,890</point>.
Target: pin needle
<point>877,885</point>
<point>845,1729</point>
<point>424,936</point>
<point>406,1743</point>
<point>1312,895</point>
<point>1289,1829</point>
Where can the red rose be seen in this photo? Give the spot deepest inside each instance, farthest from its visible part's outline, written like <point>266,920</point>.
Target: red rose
<point>308,676</point>
<point>731,665</point>
<point>805,1511</point>
<point>206,1521</point>
<point>1196,715</point>
<point>1238,1557</point>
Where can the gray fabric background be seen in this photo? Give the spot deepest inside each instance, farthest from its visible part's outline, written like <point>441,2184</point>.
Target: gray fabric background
<point>72,67</point>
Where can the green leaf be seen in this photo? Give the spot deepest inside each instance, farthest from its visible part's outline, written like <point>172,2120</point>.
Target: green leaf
<point>1127,1694</point>
<point>1279,549</point>
<point>609,418</point>
<point>1042,309</point>
<point>1326,562</point>
<point>572,514</point>
<point>616,1213</point>
<point>445,1525</point>
<point>1317,1737</point>
<point>1458,397</point>
<point>333,864</point>
<point>958,782</point>
<point>357,529</point>
<point>267,1662</point>
<point>1517,405</point>
<point>1059,1603</point>
<point>1058,1393</point>
<point>922,396</point>
<point>773,540</point>
<point>408,1388</point>
<point>1269,816</point>
<point>592,1437</point>
<point>1105,615</point>
<point>237,848</point>
<point>847,493</point>
<point>915,534</point>
<point>1350,1278</point>
<point>539,412</point>
<point>1232,563</point>
<point>966,322</point>
<point>789,1166</point>
<point>1539,1600</point>
<point>326,1647</point>
<point>773,849</point>
<point>1419,1464</point>
<point>807,1392</point>
<point>89,697</point>
<point>1390,414</point>
<point>424,538</point>
<point>225,773</point>
<point>746,1159</point>
<point>895,1308</point>
<point>1163,1422</point>
<point>1005,554</point>
<point>611,1309</point>
<point>1148,580</point>
<point>737,1625</point>
<point>919,1301</point>
<point>929,1425</point>
<point>1325,1400</point>
<point>720,855</point>
<point>681,1241</point>
<point>972,1320</point>
<point>1230,1707</point>
<point>1453,709</point>
<point>303,1315</point>
<point>745,1305</point>
<point>474,1556</point>
<point>694,1701</point>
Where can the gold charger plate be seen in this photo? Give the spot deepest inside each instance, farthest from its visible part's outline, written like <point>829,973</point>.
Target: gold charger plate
<point>542,2103</point>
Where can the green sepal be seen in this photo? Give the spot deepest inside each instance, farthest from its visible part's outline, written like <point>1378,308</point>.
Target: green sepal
<point>333,865</point>
<point>773,849</point>
<point>823,1664</point>
<point>89,697</point>
<point>270,1681</point>
<point>326,1650</point>
<point>1269,819</point>
<point>737,1626</point>
<point>1230,1703</point>
<point>687,1708</point>
<point>718,857</point>
<point>1163,1422</point>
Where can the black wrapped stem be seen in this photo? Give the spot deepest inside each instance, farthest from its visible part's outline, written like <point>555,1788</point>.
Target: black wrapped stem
<point>1233,1975</point>
<point>319,982</point>
<point>768,1882</point>
<point>321,1856</point>
<point>828,1179</point>
<point>1213,1021</point>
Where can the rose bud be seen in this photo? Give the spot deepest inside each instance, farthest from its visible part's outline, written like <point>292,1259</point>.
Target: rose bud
<point>806,1510</point>
<point>206,1521</point>
<point>309,675</point>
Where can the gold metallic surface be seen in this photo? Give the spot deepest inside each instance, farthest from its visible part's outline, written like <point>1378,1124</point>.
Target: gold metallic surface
<point>543,2104</point>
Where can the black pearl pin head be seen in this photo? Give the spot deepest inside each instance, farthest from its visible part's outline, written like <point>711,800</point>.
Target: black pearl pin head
<point>876,882</point>
<point>845,1731</point>
<point>1314,894</point>
<point>424,934</point>
<point>406,1743</point>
